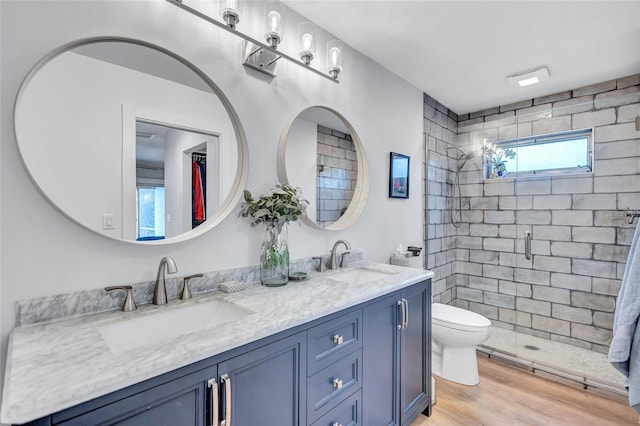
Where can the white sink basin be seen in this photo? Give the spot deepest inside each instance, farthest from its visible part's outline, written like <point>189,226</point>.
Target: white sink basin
<point>169,322</point>
<point>360,275</point>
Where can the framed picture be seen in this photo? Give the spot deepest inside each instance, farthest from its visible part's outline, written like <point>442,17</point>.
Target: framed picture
<point>398,175</point>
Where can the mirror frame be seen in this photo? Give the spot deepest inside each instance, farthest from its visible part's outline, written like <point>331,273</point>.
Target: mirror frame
<point>242,166</point>
<point>360,193</point>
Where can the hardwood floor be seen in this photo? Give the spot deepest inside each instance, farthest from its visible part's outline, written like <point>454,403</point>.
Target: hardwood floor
<point>509,396</point>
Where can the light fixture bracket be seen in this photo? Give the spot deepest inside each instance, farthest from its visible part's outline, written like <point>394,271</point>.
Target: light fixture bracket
<point>260,59</point>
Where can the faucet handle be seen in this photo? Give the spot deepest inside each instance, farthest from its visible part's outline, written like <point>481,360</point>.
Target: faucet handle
<point>343,261</point>
<point>186,294</point>
<point>320,263</point>
<point>129,304</point>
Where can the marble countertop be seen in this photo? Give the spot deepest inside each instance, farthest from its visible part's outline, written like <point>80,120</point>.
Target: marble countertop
<point>58,364</point>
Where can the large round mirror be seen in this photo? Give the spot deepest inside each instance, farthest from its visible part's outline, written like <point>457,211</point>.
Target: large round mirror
<point>130,140</point>
<point>321,153</point>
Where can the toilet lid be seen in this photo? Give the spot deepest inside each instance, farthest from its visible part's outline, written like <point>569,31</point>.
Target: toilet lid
<point>451,316</point>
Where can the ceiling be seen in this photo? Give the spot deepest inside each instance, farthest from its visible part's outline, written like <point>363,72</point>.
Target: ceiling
<point>460,52</point>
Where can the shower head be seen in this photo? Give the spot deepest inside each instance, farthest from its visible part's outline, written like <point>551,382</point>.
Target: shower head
<point>462,156</point>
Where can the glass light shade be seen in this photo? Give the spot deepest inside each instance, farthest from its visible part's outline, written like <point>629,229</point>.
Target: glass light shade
<point>306,41</point>
<point>274,24</point>
<point>230,10</point>
<point>334,57</point>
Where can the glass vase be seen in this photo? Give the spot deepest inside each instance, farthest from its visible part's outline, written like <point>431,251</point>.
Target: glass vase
<point>274,256</point>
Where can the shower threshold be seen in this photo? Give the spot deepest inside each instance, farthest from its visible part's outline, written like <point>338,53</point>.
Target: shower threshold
<point>568,364</point>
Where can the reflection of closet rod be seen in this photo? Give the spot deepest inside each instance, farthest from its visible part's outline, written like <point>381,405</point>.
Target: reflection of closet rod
<point>198,156</point>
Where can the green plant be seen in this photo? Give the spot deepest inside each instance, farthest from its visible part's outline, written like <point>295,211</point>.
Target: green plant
<point>283,205</point>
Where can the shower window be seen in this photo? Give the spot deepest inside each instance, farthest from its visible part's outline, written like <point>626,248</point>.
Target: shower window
<point>552,154</point>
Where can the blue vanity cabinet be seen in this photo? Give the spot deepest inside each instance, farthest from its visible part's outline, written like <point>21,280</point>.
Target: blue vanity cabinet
<point>365,365</point>
<point>397,356</point>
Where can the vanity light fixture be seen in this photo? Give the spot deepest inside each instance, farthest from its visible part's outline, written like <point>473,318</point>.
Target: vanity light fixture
<point>334,57</point>
<point>528,78</point>
<point>307,42</point>
<point>258,55</point>
<point>230,11</point>
<point>274,25</point>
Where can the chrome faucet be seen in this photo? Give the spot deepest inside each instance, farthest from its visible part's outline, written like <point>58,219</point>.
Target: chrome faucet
<point>160,292</point>
<point>332,258</point>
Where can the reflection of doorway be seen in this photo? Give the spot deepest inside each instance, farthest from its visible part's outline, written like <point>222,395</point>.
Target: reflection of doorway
<point>166,159</point>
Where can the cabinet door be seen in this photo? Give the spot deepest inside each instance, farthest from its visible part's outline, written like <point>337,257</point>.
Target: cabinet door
<point>415,352</point>
<point>265,385</point>
<point>178,402</point>
<point>380,362</point>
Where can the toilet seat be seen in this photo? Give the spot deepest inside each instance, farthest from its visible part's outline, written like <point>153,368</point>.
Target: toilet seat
<point>458,319</point>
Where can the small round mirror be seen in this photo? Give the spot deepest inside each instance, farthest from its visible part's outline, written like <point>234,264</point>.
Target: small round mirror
<point>130,140</point>
<point>321,153</point>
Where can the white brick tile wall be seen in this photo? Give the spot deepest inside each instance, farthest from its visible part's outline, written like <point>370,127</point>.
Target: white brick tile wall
<point>551,202</point>
<point>554,264</point>
<point>594,119</point>
<point>572,185</point>
<point>571,282</point>
<point>551,325</point>
<point>580,236</point>
<point>569,313</point>
<point>594,202</point>
<point>606,286</point>
<point>532,187</point>
<point>572,217</point>
<point>594,268</point>
<point>566,249</point>
<point>533,306</point>
<point>555,233</point>
<point>499,217</point>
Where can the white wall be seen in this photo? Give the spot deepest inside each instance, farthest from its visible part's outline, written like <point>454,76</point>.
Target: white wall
<point>44,253</point>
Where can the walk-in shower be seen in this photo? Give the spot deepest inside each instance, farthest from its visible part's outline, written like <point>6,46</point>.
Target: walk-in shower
<point>561,298</point>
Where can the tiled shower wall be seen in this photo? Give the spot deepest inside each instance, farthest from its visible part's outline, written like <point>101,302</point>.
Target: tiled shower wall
<point>440,125</point>
<point>337,176</point>
<point>580,232</point>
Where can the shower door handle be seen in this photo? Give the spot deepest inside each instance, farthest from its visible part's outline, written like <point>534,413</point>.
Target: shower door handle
<point>527,245</point>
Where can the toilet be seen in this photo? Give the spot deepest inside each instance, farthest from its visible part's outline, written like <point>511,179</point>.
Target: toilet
<point>455,333</point>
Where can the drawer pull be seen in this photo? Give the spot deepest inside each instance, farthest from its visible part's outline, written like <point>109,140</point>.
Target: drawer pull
<point>337,384</point>
<point>337,339</point>
<point>336,424</point>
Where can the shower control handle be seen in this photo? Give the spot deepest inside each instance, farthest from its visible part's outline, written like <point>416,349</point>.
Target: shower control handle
<point>527,245</point>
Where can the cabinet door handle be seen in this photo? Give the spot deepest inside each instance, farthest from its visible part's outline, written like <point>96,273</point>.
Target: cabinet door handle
<point>227,399</point>
<point>213,402</point>
<point>401,324</point>
<point>527,245</point>
<point>405,311</point>
<point>337,384</point>
<point>338,339</point>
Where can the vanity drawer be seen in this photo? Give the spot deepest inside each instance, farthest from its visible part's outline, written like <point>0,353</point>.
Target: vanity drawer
<point>330,341</point>
<point>347,413</point>
<point>329,387</point>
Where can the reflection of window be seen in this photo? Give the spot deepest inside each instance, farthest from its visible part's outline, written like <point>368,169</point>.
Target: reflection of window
<point>150,212</point>
<point>559,153</point>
